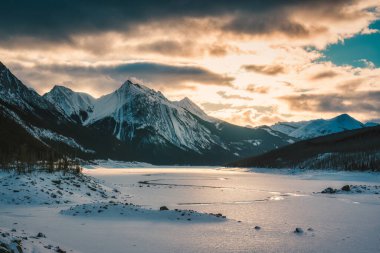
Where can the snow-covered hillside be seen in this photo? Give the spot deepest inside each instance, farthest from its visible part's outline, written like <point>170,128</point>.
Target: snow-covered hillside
<point>33,113</point>
<point>288,127</point>
<point>14,92</point>
<point>70,102</point>
<point>318,127</point>
<point>134,107</point>
<point>190,106</point>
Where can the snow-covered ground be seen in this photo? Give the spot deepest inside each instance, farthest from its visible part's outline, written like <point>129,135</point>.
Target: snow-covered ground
<point>116,164</point>
<point>117,210</point>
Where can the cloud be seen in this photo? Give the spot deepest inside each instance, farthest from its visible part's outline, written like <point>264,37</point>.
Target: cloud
<point>255,116</point>
<point>62,20</point>
<point>216,106</point>
<point>234,96</point>
<point>185,48</point>
<point>169,47</point>
<point>197,48</point>
<point>163,73</point>
<point>257,89</point>
<point>359,102</point>
<point>261,25</point>
<point>101,77</point>
<point>324,74</point>
<point>265,69</point>
<point>367,63</point>
<point>350,85</point>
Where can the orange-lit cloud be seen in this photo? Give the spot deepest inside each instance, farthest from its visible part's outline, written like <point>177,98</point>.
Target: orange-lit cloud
<point>247,62</point>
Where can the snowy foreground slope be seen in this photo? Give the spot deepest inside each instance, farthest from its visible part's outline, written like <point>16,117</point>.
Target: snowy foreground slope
<point>118,210</point>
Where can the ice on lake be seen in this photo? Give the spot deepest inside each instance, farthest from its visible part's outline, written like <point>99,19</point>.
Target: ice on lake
<point>276,201</point>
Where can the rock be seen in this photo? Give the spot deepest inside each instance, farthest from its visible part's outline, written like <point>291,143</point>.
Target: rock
<point>164,208</point>
<point>329,190</point>
<point>4,250</point>
<point>310,229</point>
<point>298,231</point>
<point>41,235</point>
<point>257,227</point>
<point>56,181</point>
<point>346,188</point>
<point>59,250</point>
<point>19,249</point>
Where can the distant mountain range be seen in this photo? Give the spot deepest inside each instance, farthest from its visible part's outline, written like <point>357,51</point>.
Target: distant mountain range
<point>136,123</point>
<point>357,149</point>
<point>319,127</point>
<point>131,123</point>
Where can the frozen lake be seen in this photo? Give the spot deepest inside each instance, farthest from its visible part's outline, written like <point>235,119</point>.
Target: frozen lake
<point>277,201</point>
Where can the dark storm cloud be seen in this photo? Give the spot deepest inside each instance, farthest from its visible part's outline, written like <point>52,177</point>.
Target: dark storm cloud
<point>59,20</point>
<point>261,25</point>
<point>362,101</point>
<point>155,73</point>
<point>265,69</point>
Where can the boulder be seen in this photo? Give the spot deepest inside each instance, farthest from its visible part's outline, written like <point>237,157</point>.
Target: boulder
<point>4,250</point>
<point>329,190</point>
<point>41,235</point>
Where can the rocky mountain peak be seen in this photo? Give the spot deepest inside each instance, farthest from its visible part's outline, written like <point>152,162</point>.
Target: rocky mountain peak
<point>2,66</point>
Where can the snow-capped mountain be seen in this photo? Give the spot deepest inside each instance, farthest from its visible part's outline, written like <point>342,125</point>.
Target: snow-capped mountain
<point>190,106</point>
<point>14,92</point>
<point>288,127</point>
<point>132,123</point>
<point>151,125</point>
<point>30,112</point>
<point>371,124</point>
<point>32,123</point>
<point>76,105</point>
<point>318,127</point>
<point>133,109</point>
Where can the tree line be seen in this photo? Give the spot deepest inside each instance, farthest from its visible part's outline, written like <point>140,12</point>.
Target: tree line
<point>26,159</point>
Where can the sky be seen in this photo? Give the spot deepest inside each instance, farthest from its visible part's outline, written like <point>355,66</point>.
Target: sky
<point>246,62</point>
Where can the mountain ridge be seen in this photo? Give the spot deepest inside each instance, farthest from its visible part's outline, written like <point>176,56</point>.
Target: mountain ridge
<point>318,127</point>
<point>132,123</point>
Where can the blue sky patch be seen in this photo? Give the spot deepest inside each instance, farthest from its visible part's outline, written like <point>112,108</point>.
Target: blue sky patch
<point>356,50</point>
